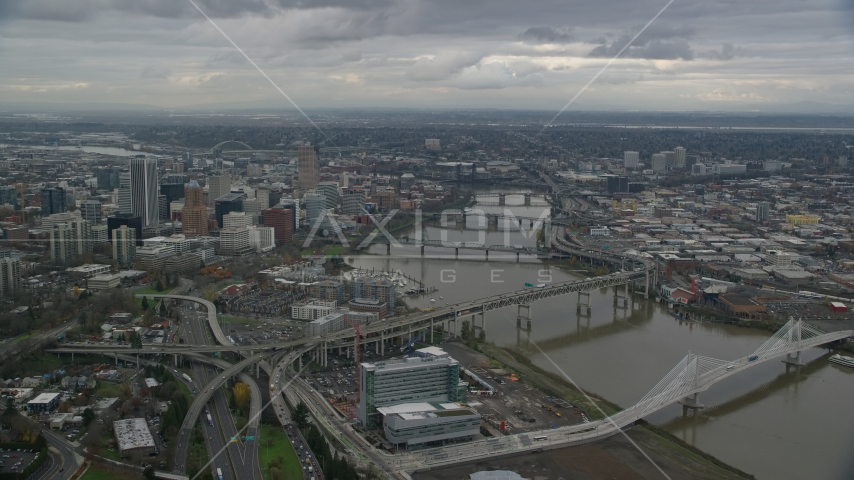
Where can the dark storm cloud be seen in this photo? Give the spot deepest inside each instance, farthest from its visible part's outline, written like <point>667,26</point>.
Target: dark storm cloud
<point>658,42</point>
<point>545,35</point>
<point>83,10</point>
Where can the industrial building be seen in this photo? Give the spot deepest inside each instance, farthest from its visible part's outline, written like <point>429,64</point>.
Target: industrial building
<point>133,436</point>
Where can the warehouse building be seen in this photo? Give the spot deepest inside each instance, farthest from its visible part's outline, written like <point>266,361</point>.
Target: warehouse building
<point>133,436</point>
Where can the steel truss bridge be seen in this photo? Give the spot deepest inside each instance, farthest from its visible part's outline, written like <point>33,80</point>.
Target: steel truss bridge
<point>692,375</point>
<point>441,314</point>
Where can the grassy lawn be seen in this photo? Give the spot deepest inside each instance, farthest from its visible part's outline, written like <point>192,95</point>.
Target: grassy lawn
<point>100,472</point>
<point>275,445</point>
<point>24,337</point>
<point>197,454</point>
<point>105,389</point>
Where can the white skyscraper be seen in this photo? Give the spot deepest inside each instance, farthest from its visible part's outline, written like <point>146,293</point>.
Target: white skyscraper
<point>659,162</point>
<point>124,193</point>
<point>143,187</point>
<point>680,157</point>
<point>217,187</point>
<point>630,159</point>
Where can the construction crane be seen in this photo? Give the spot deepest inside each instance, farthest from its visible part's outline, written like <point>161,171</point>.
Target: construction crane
<point>409,346</point>
<point>356,344</point>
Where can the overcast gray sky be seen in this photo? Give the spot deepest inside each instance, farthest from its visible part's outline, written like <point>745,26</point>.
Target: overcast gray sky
<point>699,55</point>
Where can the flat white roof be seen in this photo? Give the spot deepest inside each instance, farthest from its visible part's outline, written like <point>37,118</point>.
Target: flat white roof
<point>133,433</point>
<point>407,408</point>
<point>44,398</point>
<point>435,351</point>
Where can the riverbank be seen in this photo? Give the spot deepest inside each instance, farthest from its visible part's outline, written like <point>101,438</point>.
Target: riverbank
<point>602,458</point>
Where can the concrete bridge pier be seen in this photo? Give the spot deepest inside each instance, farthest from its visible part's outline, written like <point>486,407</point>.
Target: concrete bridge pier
<point>456,252</point>
<point>621,301</point>
<point>583,306</point>
<point>502,199</point>
<point>796,360</point>
<point>487,254</point>
<point>422,250</point>
<point>492,220</point>
<point>517,257</point>
<point>527,199</point>
<point>691,402</point>
<point>388,248</point>
<point>432,330</point>
<point>523,312</point>
<point>646,285</point>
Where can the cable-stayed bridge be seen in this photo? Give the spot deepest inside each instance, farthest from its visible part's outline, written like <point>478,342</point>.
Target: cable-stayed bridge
<point>692,375</point>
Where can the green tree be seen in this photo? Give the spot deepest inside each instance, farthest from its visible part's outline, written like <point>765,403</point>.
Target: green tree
<point>301,415</point>
<point>159,286</point>
<point>145,303</point>
<point>88,416</point>
<point>149,473</point>
<point>10,407</point>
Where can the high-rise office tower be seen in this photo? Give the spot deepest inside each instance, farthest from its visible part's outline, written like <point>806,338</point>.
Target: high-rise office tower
<point>315,206</point>
<point>669,159</point>
<point>107,177</point>
<point>91,210</point>
<point>143,188</point>
<point>763,211</point>
<point>124,245</point>
<point>659,162</point>
<point>263,196</point>
<point>330,191</point>
<point>292,205</point>
<point>194,215</point>
<point>125,202</point>
<point>282,222</point>
<point>230,202</point>
<point>680,157</point>
<point>217,187</point>
<point>188,161</point>
<point>630,159</point>
<point>53,201</point>
<point>308,166</point>
<point>354,201</point>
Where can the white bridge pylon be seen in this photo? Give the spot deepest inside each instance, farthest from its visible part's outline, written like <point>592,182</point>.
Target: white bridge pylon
<point>693,374</point>
<point>696,373</point>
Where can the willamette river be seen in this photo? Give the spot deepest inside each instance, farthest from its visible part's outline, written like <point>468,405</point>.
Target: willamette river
<point>771,421</point>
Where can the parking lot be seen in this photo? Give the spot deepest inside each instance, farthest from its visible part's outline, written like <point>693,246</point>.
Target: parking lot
<point>334,382</point>
<point>804,309</point>
<point>15,460</point>
<point>264,330</point>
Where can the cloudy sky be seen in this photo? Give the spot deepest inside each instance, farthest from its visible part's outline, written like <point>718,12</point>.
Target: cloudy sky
<point>698,55</point>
